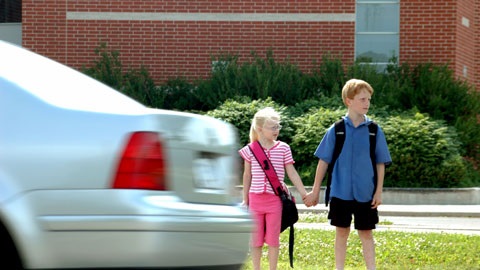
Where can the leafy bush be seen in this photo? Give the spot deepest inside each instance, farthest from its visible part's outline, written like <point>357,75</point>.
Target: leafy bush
<point>108,68</point>
<point>326,79</point>
<point>450,108</point>
<point>310,129</point>
<point>137,84</point>
<point>434,90</point>
<point>258,79</point>
<point>179,95</point>
<point>140,86</point>
<point>425,153</point>
<point>240,113</point>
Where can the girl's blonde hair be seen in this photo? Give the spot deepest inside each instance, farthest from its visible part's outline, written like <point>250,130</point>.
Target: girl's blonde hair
<point>352,87</point>
<point>259,120</point>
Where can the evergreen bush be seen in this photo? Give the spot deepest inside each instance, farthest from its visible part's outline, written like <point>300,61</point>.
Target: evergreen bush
<point>137,84</point>
<point>426,147</point>
<point>179,95</point>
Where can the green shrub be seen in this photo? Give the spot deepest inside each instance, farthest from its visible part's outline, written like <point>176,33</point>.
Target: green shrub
<point>137,84</point>
<point>140,86</point>
<point>326,79</point>
<point>179,95</point>
<point>240,113</point>
<point>108,68</point>
<point>310,129</point>
<point>434,90</point>
<point>452,104</point>
<point>259,78</point>
<point>425,153</point>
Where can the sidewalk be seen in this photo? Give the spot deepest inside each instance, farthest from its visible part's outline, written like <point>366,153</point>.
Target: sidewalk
<point>462,219</point>
<point>411,210</point>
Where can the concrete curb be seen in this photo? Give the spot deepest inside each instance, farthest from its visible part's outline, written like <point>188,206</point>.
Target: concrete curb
<point>419,196</point>
<point>411,210</point>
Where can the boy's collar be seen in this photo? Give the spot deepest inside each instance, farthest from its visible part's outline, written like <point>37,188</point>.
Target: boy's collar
<point>366,120</point>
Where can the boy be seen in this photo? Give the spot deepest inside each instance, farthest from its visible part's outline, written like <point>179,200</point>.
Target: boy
<point>353,187</point>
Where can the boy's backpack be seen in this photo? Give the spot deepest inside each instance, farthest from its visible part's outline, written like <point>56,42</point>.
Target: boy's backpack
<point>339,140</point>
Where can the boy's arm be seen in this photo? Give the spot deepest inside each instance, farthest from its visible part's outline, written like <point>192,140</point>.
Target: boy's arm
<point>296,180</point>
<point>377,197</point>
<point>247,181</point>
<point>319,175</point>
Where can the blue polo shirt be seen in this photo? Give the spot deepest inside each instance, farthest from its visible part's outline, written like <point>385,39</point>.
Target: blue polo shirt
<point>352,177</point>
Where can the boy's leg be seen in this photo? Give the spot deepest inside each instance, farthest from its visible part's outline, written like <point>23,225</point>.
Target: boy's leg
<point>340,215</point>
<point>368,245</point>
<point>341,237</point>
<point>273,257</point>
<point>366,219</point>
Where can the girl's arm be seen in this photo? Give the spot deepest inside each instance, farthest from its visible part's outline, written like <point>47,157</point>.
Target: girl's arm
<point>313,196</point>
<point>295,178</point>
<point>247,181</point>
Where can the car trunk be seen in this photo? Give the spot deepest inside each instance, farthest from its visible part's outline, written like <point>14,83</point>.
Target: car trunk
<point>201,155</point>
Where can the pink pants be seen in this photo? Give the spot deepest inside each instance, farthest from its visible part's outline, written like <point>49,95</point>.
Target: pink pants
<point>267,210</point>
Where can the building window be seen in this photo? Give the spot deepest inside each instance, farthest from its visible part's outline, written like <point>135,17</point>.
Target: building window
<point>10,11</point>
<point>377,27</point>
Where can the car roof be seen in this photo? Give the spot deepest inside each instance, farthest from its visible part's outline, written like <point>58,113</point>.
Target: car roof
<point>59,85</point>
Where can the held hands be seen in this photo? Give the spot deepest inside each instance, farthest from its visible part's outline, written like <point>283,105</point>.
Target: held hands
<point>310,199</point>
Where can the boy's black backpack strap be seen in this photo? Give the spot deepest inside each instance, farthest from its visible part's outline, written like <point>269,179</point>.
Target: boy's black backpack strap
<point>339,140</point>
<point>372,130</point>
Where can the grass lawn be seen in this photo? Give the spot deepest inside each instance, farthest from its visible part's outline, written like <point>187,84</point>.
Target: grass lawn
<point>394,250</point>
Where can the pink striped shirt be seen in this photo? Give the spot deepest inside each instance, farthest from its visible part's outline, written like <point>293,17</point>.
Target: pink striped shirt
<point>280,155</point>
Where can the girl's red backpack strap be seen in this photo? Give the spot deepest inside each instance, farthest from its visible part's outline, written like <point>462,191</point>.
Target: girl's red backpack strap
<point>267,166</point>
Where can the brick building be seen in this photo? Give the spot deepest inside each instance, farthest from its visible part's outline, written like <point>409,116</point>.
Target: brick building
<point>178,37</point>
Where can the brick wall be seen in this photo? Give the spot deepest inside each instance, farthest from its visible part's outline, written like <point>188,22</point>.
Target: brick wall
<point>178,38</point>
<point>185,47</point>
<point>465,44</point>
<point>440,32</point>
<point>427,31</point>
<point>44,27</point>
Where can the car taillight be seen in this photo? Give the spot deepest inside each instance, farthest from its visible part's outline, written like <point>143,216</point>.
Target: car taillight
<point>142,164</point>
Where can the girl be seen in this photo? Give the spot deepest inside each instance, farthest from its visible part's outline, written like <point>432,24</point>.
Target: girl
<point>258,194</point>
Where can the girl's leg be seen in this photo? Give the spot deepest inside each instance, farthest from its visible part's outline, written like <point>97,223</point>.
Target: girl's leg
<point>368,245</point>
<point>273,220</point>
<point>341,237</point>
<point>273,257</point>
<point>256,257</point>
<point>256,208</point>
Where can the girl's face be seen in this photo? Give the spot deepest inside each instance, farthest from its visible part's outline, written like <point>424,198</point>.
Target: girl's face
<point>271,129</point>
<point>360,102</point>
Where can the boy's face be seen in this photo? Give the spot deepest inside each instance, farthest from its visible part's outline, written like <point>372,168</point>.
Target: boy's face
<point>360,102</point>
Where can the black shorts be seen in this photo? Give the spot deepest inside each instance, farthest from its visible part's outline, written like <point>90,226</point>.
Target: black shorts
<point>341,211</point>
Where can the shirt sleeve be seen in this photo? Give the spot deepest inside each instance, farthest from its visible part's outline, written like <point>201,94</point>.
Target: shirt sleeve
<point>382,154</point>
<point>288,157</point>
<point>246,154</point>
<point>325,148</point>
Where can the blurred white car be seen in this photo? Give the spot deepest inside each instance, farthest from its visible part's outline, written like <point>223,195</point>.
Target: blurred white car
<point>90,178</point>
